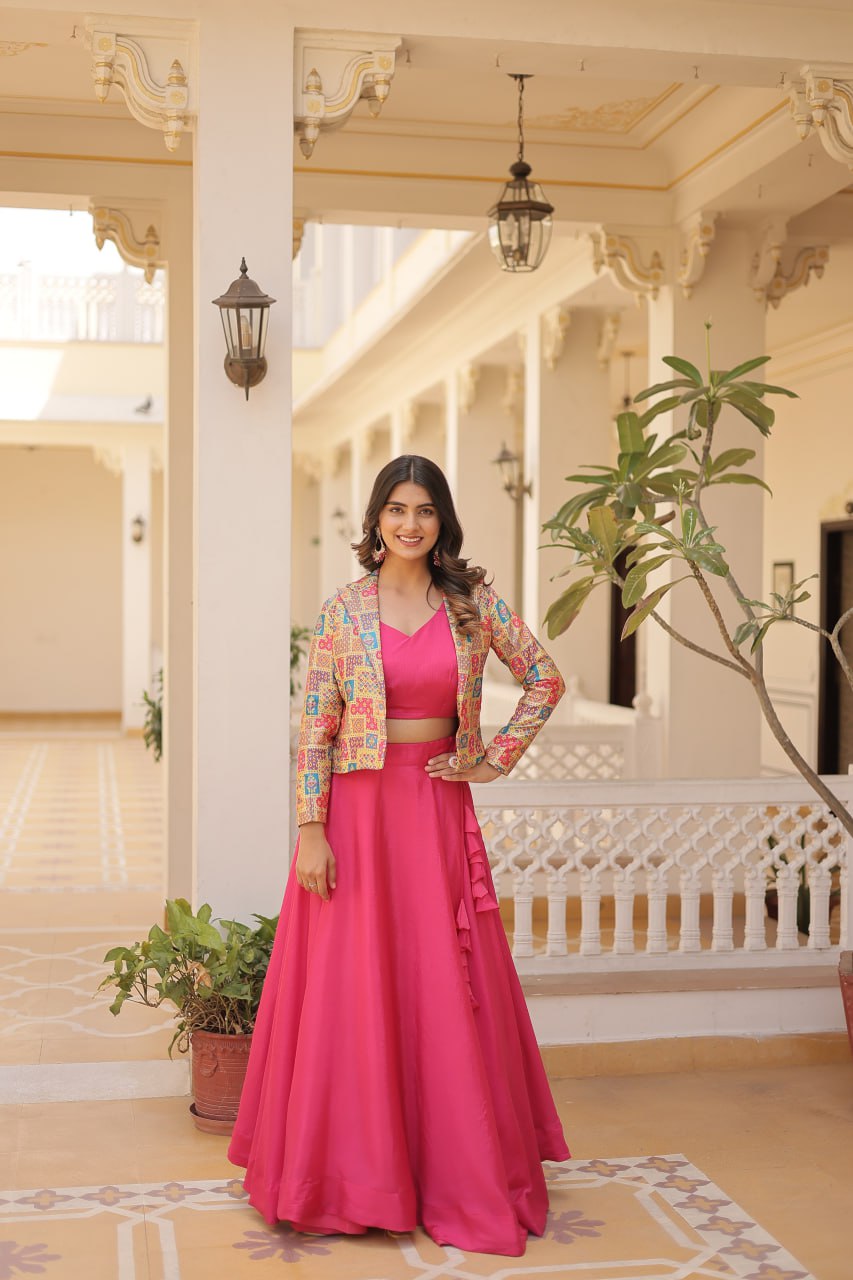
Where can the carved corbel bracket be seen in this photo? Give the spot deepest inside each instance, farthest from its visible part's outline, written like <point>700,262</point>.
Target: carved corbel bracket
<point>332,71</point>
<point>111,460</point>
<point>822,99</point>
<point>607,336</point>
<point>466,382</point>
<point>555,326</point>
<point>310,465</point>
<point>633,259</point>
<point>781,264</point>
<point>109,223</point>
<point>127,61</point>
<point>694,255</point>
<point>298,232</point>
<point>513,396</point>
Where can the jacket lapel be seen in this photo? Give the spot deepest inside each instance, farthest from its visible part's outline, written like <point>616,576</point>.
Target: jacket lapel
<point>463,654</point>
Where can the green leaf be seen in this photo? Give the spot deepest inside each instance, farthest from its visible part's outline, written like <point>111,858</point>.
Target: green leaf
<point>762,632</point>
<point>645,607</point>
<point>689,521</point>
<point>662,386</point>
<point>635,579</point>
<point>744,631</point>
<point>742,478</point>
<point>684,367</point>
<point>631,439</point>
<point>662,406</point>
<point>562,613</point>
<point>766,388</point>
<point>731,458</point>
<point>761,415</point>
<point>602,526</point>
<point>740,369</point>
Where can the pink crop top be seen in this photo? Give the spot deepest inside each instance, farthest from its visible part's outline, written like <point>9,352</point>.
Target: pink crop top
<point>420,670</point>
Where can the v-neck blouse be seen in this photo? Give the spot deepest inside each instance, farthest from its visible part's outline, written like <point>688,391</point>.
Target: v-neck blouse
<point>420,670</point>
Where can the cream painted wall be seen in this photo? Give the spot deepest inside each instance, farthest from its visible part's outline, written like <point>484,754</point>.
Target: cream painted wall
<point>809,467</point>
<point>157,562</point>
<point>60,642</point>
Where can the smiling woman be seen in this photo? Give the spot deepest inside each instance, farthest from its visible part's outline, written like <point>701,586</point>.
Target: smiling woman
<point>390,938</point>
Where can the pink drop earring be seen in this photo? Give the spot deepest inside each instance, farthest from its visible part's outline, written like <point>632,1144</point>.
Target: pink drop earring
<point>436,558</point>
<point>380,551</point>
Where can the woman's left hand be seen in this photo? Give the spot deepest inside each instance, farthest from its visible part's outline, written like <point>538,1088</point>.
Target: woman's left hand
<point>440,767</point>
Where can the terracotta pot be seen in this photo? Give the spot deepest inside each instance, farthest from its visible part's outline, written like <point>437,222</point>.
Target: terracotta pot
<point>845,977</point>
<point>218,1070</point>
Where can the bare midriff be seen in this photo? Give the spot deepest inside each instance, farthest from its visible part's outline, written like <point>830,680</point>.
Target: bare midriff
<point>420,730</point>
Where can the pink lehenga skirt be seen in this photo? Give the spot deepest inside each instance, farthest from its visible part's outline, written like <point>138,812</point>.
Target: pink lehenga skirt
<point>394,1077</point>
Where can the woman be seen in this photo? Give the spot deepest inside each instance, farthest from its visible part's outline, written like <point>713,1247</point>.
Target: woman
<point>394,1077</point>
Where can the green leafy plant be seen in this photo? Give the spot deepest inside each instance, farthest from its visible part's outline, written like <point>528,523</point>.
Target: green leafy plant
<point>300,638</point>
<point>152,732</point>
<point>212,976</point>
<point>646,512</point>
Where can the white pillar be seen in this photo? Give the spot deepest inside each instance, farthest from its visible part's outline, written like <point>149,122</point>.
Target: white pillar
<point>243,206</point>
<point>135,584</point>
<point>711,716</point>
<point>532,509</point>
<point>575,428</point>
<point>451,431</point>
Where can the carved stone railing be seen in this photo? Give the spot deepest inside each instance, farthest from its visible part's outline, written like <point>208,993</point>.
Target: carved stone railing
<point>100,308</point>
<point>640,860</point>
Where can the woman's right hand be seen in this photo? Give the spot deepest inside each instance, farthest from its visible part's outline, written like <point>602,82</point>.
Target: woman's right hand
<point>315,862</point>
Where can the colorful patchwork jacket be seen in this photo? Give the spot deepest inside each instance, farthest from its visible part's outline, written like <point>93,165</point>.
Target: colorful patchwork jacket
<point>343,720</point>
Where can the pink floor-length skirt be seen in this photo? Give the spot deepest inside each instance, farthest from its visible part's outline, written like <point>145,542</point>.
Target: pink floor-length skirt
<point>394,1077</point>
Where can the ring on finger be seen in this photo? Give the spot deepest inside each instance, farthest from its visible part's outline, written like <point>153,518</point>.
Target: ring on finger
<point>453,761</point>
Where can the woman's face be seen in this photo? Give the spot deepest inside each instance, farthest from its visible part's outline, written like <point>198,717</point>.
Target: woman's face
<point>409,522</point>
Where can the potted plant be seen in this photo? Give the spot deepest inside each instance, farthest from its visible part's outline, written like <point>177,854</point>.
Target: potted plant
<point>153,728</point>
<point>213,977</point>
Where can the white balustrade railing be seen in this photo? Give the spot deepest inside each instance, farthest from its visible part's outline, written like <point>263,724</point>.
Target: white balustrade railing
<point>99,308</point>
<point>632,847</point>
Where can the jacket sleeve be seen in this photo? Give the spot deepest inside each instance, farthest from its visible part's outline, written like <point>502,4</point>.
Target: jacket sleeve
<point>321,718</point>
<point>534,669</point>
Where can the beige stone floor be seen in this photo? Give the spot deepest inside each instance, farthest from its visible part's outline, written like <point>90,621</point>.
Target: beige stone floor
<point>775,1142</point>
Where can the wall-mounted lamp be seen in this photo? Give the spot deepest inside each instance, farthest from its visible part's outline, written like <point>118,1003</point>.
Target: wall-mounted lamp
<point>520,222</point>
<point>244,309</point>
<point>137,528</point>
<point>343,528</point>
<point>511,474</point>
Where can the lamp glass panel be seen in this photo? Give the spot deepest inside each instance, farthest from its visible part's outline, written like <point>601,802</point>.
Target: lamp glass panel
<point>227,316</point>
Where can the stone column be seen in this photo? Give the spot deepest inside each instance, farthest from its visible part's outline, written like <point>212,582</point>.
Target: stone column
<point>135,584</point>
<point>486,512</point>
<point>711,716</point>
<point>242,206</point>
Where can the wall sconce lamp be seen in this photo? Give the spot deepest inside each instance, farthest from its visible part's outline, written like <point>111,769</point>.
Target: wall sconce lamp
<point>520,222</point>
<point>137,529</point>
<point>244,309</point>
<point>511,474</point>
<point>343,528</point>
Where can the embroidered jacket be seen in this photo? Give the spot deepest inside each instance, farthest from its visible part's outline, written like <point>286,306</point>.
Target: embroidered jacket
<point>343,719</point>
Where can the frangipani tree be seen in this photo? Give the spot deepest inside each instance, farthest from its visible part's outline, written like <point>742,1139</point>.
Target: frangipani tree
<point>646,512</point>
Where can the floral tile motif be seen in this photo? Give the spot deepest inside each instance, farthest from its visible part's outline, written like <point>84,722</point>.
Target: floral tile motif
<point>631,1217</point>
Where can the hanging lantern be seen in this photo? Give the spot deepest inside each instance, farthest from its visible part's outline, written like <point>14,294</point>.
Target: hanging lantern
<point>520,222</point>
<point>245,317</point>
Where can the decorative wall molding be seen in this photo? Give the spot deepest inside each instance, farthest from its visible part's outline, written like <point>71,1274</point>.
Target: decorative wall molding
<point>607,337</point>
<point>694,255</point>
<point>332,71</point>
<point>634,259</point>
<point>408,421</point>
<point>110,223</point>
<point>782,263</point>
<point>126,61</point>
<point>466,382</point>
<point>822,100</point>
<point>555,326</point>
<point>11,48</point>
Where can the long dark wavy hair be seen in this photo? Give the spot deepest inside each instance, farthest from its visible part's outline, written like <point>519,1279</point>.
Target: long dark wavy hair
<point>453,575</point>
